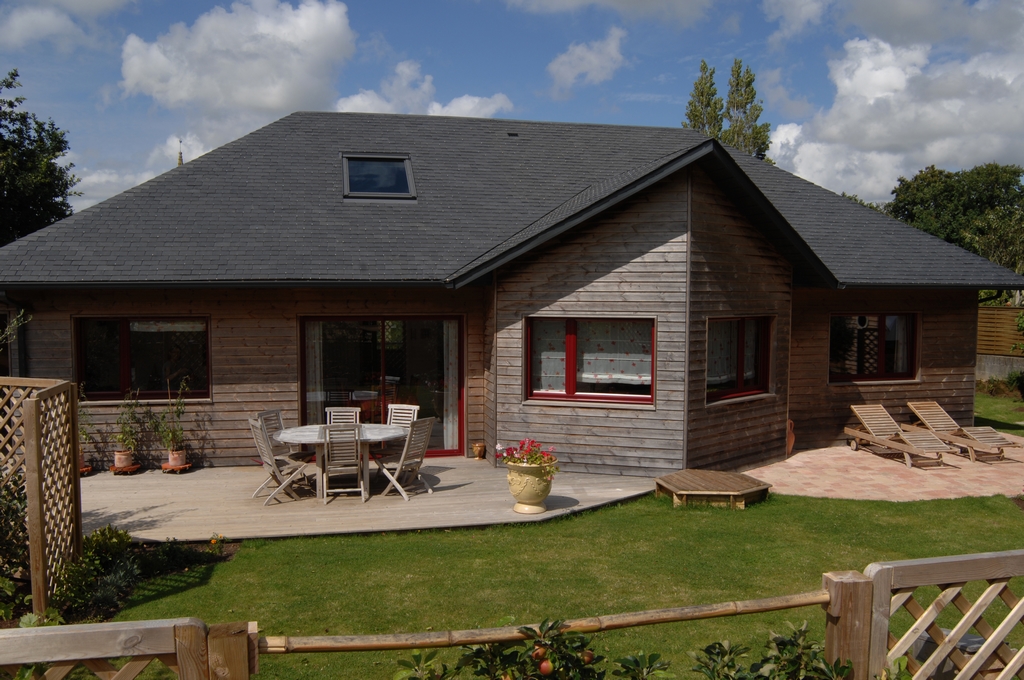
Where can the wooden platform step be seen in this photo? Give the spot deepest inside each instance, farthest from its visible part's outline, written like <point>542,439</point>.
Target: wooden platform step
<point>125,470</point>
<point>176,469</point>
<point>711,487</point>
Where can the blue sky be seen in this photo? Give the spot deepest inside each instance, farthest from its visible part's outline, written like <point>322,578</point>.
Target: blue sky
<point>857,92</point>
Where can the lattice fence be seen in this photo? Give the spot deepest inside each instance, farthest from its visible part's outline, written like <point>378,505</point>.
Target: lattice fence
<point>39,448</point>
<point>972,640</point>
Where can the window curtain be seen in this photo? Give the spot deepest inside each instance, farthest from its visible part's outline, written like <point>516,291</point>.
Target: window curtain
<point>315,395</point>
<point>751,331</point>
<point>547,355</point>
<point>722,340</point>
<point>896,332</point>
<point>450,415</point>
<point>613,352</point>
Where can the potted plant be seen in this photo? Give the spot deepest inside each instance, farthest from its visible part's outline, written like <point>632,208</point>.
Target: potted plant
<point>129,430</point>
<point>168,426</point>
<point>530,471</point>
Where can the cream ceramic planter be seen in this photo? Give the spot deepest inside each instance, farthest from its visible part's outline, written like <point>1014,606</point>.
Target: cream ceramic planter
<point>176,458</point>
<point>123,459</point>
<point>529,486</point>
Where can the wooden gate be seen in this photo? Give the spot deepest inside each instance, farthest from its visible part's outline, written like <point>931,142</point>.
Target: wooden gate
<point>39,449</point>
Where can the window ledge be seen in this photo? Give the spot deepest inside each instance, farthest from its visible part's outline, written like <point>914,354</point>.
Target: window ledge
<point>892,381</point>
<point>740,400</point>
<point>143,402</point>
<point>566,403</point>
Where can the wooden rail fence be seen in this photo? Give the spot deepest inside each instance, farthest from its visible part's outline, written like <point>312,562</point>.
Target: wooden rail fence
<point>858,610</point>
<point>997,331</point>
<point>39,450</point>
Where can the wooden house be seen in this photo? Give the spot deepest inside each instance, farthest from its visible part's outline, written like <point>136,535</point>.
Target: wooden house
<point>643,299</point>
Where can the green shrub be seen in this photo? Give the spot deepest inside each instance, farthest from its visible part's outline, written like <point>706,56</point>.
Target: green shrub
<point>791,657</point>
<point>108,546</point>
<point>1016,380</point>
<point>13,531</point>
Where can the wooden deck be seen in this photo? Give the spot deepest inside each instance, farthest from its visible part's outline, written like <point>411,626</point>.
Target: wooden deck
<point>195,505</point>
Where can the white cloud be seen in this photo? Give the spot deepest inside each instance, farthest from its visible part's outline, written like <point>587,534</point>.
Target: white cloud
<point>896,111</point>
<point>410,92</point>
<point>89,8</point>
<point>685,12</point>
<point>261,56</point>
<point>24,25</point>
<point>793,16</point>
<point>976,26</point>
<point>594,62</point>
<point>778,97</point>
<point>99,185</point>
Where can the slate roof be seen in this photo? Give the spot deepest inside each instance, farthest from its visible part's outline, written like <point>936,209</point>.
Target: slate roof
<point>268,210</point>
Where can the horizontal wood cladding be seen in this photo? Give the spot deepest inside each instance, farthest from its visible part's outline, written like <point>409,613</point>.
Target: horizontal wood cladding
<point>997,331</point>
<point>630,262</point>
<point>254,355</point>
<point>734,271</point>
<point>947,331</point>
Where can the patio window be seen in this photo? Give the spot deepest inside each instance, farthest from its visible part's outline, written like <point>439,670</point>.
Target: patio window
<point>591,359</point>
<point>738,357</point>
<point>872,347</point>
<point>387,177</point>
<point>145,354</point>
<point>369,363</point>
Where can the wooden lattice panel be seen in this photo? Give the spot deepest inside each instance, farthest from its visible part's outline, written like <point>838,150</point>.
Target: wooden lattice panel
<point>12,433</point>
<point>897,585</point>
<point>39,449</point>
<point>60,480</point>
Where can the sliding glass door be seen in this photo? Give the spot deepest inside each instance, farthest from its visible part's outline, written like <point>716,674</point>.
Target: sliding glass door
<point>372,362</point>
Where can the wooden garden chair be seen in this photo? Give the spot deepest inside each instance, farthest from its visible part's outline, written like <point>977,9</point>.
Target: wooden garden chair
<point>273,422</point>
<point>281,475</point>
<point>403,469</point>
<point>402,415</point>
<point>919,448</point>
<point>343,461</point>
<point>342,415</point>
<point>982,444</point>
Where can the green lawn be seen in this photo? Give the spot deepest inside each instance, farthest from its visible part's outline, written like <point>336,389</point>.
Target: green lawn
<point>639,555</point>
<point>1003,413</point>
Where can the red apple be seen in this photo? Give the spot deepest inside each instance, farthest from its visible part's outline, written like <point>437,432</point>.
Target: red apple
<point>587,656</point>
<point>546,667</point>
<point>539,653</point>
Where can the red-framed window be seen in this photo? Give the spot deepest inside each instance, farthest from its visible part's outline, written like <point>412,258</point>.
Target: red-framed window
<point>864,347</point>
<point>149,354</point>
<point>583,359</point>
<point>739,351</point>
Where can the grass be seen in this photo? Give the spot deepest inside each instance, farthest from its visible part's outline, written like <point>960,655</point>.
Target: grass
<point>1005,414</point>
<point>630,557</point>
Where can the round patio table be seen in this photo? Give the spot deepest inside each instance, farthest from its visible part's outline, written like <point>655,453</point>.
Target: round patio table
<point>369,433</point>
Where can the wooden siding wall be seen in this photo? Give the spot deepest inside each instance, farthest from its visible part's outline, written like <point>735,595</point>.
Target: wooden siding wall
<point>254,354</point>
<point>997,331</point>
<point>946,349</point>
<point>631,262</point>
<point>735,271</point>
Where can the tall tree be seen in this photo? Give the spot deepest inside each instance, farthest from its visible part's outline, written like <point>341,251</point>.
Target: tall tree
<point>704,111</point>
<point>954,205</point>
<point>742,111</point>
<point>34,186</point>
<point>707,113</point>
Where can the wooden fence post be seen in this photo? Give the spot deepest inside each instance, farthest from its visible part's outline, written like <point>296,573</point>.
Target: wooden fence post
<point>36,506</point>
<point>76,463</point>
<point>848,619</point>
<point>228,645</point>
<point>191,652</point>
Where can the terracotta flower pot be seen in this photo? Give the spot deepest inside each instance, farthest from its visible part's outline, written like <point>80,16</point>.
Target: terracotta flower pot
<point>529,485</point>
<point>123,459</point>
<point>479,449</point>
<point>176,458</point>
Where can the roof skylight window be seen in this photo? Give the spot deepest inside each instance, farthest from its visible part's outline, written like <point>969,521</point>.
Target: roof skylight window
<point>382,177</point>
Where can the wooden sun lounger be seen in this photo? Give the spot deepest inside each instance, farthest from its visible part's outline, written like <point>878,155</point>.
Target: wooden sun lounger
<point>978,443</point>
<point>920,448</point>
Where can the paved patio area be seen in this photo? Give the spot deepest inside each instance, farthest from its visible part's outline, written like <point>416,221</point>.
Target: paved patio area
<point>840,472</point>
<point>195,505</point>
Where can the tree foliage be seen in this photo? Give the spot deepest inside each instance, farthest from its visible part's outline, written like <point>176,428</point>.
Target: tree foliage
<point>705,110</point>
<point>742,110</point>
<point>34,185</point>
<point>707,113</point>
<point>956,206</point>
